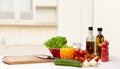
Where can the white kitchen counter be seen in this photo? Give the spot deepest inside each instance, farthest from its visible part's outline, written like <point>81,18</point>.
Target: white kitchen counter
<point>114,63</point>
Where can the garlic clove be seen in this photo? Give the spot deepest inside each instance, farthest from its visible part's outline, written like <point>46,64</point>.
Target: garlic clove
<point>86,63</point>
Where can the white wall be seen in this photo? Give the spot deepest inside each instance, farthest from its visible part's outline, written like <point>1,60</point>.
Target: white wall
<point>76,15</point>
<point>70,19</point>
<point>74,18</point>
<point>107,15</point>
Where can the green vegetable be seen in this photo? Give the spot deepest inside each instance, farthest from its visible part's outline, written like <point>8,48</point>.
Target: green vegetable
<point>56,42</point>
<point>68,62</point>
<point>66,46</point>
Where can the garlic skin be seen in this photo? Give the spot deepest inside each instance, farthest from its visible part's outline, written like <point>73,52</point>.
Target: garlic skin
<point>93,63</point>
<point>86,63</point>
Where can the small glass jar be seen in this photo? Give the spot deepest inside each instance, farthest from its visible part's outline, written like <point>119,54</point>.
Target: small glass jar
<point>77,45</point>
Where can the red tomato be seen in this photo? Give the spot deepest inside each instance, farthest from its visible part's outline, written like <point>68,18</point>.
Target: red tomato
<point>76,58</point>
<point>85,52</point>
<point>97,59</point>
<point>76,53</point>
<point>81,53</point>
<point>85,56</point>
<point>92,56</point>
<point>82,59</point>
<point>88,59</point>
<point>88,55</point>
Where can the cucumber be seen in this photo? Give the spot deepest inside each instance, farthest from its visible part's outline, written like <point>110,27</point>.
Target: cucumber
<point>68,62</point>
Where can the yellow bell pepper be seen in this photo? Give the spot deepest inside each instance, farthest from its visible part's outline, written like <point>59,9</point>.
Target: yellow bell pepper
<point>67,53</point>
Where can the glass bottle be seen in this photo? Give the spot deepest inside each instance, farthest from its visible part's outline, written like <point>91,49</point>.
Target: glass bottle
<point>99,40</point>
<point>90,42</point>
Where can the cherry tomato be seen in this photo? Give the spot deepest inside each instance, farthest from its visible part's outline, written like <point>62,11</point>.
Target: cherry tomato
<point>76,58</point>
<point>85,52</point>
<point>97,59</point>
<point>81,53</point>
<point>92,56</point>
<point>82,59</point>
<point>85,56</point>
<point>88,59</point>
<point>76,52</point>
<point>88,55</point>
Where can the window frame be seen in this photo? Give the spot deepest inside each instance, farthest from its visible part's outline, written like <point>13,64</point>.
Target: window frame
<point>17,16</point>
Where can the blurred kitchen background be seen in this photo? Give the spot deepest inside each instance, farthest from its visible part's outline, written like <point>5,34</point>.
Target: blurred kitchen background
<point>26,24</point>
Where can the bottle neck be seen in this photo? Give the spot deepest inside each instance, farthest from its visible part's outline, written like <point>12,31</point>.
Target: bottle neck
<point>99,32</point>
<point>90,32</point>
<point>90,36</point>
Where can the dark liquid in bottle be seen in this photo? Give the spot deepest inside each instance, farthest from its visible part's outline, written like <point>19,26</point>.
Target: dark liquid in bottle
<point>98,51</point>
<point>90,46</point>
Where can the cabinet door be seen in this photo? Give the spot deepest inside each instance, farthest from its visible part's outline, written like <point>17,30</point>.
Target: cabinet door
<point>26,9</point>
<point>7,10</point>
<point>46,12</point>
<point>16,10</point>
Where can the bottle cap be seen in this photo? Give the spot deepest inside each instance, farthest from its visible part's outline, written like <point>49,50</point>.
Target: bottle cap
<point>99,29</point>
<point>90,28</point>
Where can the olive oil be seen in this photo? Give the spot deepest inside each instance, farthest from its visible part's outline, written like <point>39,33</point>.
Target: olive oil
<point>99,40</point>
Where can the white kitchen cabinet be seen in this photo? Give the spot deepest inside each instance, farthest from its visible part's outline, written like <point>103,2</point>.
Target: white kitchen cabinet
<point>23,34</point>
<point>14,50</point>
<point>46,3</point>
<point>46,11</point>
<point>16,10</point>
<point>24,40</point>
<point>28,12</point>
<point>7,12</point>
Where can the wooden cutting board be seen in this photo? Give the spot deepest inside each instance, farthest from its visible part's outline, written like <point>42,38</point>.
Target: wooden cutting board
<point>24,59</point>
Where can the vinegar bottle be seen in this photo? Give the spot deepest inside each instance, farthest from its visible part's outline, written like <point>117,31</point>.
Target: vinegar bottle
<point>90,43</point>
<point>99,40</point>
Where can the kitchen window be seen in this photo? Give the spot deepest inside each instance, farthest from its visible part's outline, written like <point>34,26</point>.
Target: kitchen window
<point>7,9</point>
<point>16,10</point>
<point>26,9</point>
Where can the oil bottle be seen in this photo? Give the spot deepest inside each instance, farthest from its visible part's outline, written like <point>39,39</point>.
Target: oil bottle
<point>90,41</point>
<point>99,40</point>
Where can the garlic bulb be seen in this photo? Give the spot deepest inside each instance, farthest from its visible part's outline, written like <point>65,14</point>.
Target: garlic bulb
<point>86,63</point>
<point>93,63</point>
